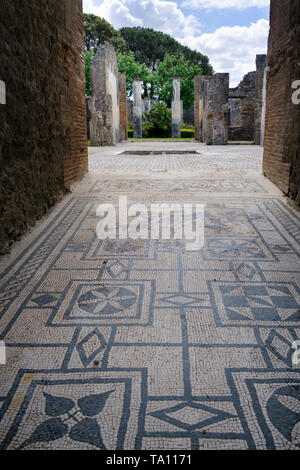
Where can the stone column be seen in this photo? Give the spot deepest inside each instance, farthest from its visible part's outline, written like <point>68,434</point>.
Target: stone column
<point>263,111</point>
<point>137,108</point>
<point>2,92</point>
<point>105,110</point>
<point>261,63</point>
<point>123,107</point>
<point>176,109</point>
<point>147,104</point>
<point>217,109</point>
<point>200,92</point>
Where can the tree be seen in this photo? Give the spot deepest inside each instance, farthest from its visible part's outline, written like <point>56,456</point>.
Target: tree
<point>128,65</point>
<point>173,66</point>
<point>88,57</point>
<point>158,122</point>
<point>150,47</point>
<point>97,31</point>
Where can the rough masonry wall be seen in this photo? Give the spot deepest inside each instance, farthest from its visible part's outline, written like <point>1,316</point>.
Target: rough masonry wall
<point>43,146</point>
<point>211,108</point>
<point>242,102</point>
<point>108,108</point>
<point>123,108</point>
<point>282,132</point>
<point>261,63</point>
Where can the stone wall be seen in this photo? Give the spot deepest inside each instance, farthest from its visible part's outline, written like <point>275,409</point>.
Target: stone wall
<point>211,108</point>
<point>123,108</point>
<point>261,63</point>
<point>241,103</point>
<point>108,107</point>
<point>43,145</point>
<point>282,131</point>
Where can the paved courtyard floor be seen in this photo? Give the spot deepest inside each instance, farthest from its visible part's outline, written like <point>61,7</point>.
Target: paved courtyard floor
<point>123,344</point>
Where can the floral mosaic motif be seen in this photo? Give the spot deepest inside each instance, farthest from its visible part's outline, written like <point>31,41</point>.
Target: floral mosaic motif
<point>107,300</point>
<point>63,413</point>
<point>283,408</point>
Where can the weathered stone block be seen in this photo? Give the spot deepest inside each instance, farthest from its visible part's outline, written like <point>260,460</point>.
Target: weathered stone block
<point>261,63</point>
<point>137,108</point>
<point>176,108</point>
<point>123,107</point>
<point>211,108</point>
<point>105,113</point>
<point>241,103</point>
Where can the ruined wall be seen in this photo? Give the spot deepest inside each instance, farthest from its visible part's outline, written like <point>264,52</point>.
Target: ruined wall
<point>123,108</point>
<point>43,146</point>
<point>241,103</point>
<point>107,119</point>
<point>211,108</point>
<point>282,132</point>
<point>261,63</point>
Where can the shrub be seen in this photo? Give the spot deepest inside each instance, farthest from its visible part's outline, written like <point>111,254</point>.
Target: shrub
<point>158,122</point>
<point>187,133</point>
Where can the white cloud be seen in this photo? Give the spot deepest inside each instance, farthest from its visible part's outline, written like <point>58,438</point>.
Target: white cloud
<point>161,15</point>
<point>230,49</point>
<point>221,4</point>
<point>233,49</point>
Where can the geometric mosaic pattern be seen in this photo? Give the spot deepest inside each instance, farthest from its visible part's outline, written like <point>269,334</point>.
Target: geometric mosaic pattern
<point>145,345</point>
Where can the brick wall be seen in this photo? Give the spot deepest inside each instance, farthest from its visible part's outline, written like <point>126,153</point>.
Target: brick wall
<point>282,132</point>
<point>43,145</point>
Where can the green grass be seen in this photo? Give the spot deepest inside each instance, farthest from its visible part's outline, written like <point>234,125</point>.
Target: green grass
<point>163,139</point>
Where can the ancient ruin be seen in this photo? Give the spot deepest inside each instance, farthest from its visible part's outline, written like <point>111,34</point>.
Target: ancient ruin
<point>176,108</point>
<point>261,64</point>
<point>282,126</point>
<point>108,121</point>
<point>43,144</point>
<point>211,108</point>
<point>241,106</point>
<point>123,135</point>
<point>137,108</point>
<point>246,105</point>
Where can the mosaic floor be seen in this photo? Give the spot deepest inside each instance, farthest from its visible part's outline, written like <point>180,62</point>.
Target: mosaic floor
<point>142,344</point>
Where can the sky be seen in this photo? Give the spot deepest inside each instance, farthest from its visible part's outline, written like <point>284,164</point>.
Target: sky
<point>229,32</point>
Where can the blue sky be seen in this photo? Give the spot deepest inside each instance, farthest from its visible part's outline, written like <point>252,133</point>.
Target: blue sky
<point>230,32</point>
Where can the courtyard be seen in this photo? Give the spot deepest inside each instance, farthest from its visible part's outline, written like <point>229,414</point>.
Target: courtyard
<point>123,344</point>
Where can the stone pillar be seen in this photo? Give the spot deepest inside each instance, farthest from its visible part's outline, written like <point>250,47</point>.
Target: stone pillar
<point>147,105</point>
<point>2,92</point>
<point>200,92</point>
<point>263,111</point>
<point>123,107</point>
<point>181,110</point>
<point>217,109</point>
<point>137,108</point>
<point>176,109</point>
<point>105,112</point>
<point>211,108</point>
<point>261,63</point>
